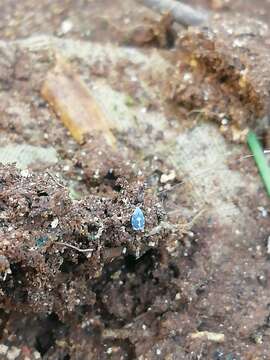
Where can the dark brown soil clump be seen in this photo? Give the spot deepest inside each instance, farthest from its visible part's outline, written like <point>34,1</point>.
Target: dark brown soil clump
<point>38,222</point>
<point>67,294</point>
<point>225,75</point>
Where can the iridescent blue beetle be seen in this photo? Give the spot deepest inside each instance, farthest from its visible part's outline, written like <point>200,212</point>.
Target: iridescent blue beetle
<point>137,220</point>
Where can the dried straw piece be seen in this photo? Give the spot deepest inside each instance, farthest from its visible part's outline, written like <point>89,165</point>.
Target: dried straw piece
<point>73,102</point>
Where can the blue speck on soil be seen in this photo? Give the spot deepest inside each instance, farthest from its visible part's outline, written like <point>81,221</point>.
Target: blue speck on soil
<point>41,241</point>
<point>137,220</point>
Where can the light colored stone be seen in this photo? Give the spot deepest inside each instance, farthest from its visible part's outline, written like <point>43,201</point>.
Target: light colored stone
<point>167,177</point>
<point>13,353</point>
<point>3,349</point>
<point>54,223</point>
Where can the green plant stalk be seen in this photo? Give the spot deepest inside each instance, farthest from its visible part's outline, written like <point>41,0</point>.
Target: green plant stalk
<point>260,159</point>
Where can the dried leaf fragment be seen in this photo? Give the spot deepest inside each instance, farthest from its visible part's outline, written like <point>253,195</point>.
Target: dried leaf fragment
<point>73,102</point>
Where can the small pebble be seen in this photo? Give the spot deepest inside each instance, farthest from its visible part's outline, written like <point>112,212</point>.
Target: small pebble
<point>109,351</point>
<point>224,121</point>
<point>263,211</point>
<point>13,353</point>
<point>143,110</point>
<point>66,26</point>
<point>167,177</point>
<point>187,77</point>
<point>3,349</point>
<point>37,355</point>
<point>25,173</point>
<point>54,223</point>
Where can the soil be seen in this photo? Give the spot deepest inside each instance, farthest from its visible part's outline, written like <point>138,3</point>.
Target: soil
<point>233,89</point>
<point>76,280</point>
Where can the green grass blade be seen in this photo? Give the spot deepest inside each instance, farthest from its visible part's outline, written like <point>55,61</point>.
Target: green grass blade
<point>260,159</point>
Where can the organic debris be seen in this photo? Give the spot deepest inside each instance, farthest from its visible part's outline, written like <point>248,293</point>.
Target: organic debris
<point>159,33</point>
<point>210,336</point>
<point>219,77</point>
<point>72,101</point>
<point>182,13</point>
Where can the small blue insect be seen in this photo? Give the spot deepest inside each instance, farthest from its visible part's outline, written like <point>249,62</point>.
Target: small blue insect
<point>137,220</point>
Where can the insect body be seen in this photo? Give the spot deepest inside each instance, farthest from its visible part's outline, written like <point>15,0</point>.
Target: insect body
<point>137,220</point>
